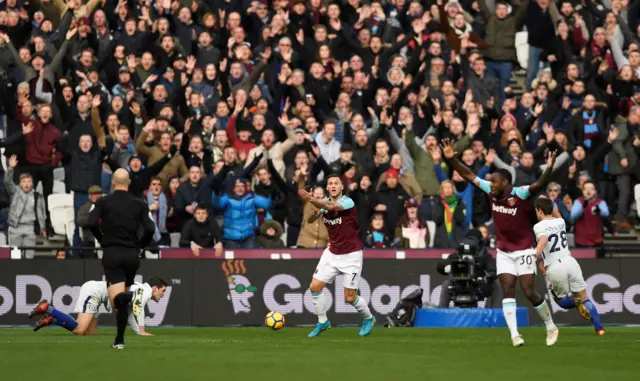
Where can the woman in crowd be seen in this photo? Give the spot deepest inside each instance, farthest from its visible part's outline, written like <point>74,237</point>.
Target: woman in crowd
<point>412,231</point>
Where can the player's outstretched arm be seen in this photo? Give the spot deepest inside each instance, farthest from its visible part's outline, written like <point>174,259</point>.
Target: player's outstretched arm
<point>542,182</point>
<point>458,166</point>
<point>319,203</point>
<point>314,216</point>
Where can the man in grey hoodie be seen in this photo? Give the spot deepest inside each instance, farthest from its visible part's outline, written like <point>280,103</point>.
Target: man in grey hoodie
<point>27,215</point>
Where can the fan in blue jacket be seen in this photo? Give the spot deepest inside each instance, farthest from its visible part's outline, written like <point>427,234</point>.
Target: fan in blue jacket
<point>240,219</point>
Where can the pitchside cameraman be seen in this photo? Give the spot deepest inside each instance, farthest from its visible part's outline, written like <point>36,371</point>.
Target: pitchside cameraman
<point>488,287</point>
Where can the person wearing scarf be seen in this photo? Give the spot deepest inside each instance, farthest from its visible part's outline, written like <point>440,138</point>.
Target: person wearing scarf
<point>376,236</point>
<point>159,209</point>
<point>456,28</point>
<point>449,217</point>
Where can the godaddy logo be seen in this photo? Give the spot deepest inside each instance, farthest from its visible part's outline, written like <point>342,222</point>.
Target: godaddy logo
<point>240,288</point>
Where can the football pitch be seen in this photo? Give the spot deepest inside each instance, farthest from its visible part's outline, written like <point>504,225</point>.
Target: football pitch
<point>231,354</point>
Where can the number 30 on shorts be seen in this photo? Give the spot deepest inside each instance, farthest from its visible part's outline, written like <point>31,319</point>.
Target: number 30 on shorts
<point>527,259</point>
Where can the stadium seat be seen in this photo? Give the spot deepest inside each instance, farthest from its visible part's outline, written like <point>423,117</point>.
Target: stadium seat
<point>522,49</point>
<point>16,253</point>
<point>58,205</point>
<point>432,232</point>
<point>70,223</point>
<point>175,239</point>
<point>60,200</point>
<point>571,239</point>
<point>58,174</point>
<point>59,187</point>
<point>3,239</point>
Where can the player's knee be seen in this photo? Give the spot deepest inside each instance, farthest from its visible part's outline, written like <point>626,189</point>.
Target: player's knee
<point>532,295</point>
<point>581,294</point>
<point>509,289</point>
<point>316,287</point>
<point>351,297</point>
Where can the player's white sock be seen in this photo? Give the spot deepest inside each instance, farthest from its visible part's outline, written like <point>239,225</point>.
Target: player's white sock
<point>545,315</point>
<point>509,311</point>
<point>319,300</point>
<point>362,307</point>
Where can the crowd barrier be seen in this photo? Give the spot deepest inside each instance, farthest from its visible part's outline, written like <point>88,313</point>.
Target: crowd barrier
<point>226,292</point>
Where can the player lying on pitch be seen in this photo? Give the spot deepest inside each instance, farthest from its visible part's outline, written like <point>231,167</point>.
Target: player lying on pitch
<point>560,269</point>
<point>93,294</point>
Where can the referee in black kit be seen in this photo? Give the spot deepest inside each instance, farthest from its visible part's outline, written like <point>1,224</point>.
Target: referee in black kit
<point>115,221</point>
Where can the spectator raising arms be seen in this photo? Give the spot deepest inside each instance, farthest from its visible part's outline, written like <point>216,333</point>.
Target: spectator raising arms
<point>27,211</point>
<point>240,219</point>
<point>449,217</point>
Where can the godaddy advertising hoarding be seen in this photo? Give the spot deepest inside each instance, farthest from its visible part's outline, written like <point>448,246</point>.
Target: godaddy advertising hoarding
<point>242,291</point>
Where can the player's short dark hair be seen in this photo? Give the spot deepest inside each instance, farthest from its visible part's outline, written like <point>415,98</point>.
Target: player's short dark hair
<point>506,175</point>
<point>335,174</point>
<point>545,205</point>
<point>155,281</point>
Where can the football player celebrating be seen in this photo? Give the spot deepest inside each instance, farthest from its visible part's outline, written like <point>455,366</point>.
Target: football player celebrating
<point>511,208</point>
<point>343,256</point>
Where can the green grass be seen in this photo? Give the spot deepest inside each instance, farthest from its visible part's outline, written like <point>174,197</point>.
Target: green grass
<point>338,355</point>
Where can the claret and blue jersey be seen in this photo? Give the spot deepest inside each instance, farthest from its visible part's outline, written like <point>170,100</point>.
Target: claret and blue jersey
<point>342,226</point>
<point>511,217</point>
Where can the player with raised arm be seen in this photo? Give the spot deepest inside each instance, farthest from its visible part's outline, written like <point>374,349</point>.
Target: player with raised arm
<point>560,269</point>
<point>511,208</point>
<point>93,297</point>
<point>343,256</point>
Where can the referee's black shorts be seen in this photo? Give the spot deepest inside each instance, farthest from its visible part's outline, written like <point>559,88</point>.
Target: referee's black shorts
<point>120,264</point>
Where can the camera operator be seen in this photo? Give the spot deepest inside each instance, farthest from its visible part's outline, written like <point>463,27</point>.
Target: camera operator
<point>482,280</point>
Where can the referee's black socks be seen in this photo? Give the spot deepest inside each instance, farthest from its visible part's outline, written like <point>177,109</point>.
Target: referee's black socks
<point>121,302</point>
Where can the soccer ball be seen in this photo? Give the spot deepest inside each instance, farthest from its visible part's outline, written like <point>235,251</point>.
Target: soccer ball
<point>274,320</point>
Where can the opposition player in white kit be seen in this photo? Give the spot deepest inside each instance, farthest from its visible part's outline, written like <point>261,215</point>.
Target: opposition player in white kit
<point>561,271</point>
<point>343,256</point>
<point>93,299</point>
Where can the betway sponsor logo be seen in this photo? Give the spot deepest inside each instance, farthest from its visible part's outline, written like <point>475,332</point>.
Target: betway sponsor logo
<point>607,296</point>
<point>335,221</point>
<point>504,210</point>
<point>63,298</point>
<point>382,299</point>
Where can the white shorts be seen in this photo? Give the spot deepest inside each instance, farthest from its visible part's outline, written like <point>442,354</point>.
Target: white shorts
<point>521,262</point>
<point>565,276</point>
<point>331,265</point>
<point>87,304</point>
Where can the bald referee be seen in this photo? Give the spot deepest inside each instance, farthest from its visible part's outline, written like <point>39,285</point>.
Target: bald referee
<point>115,220</point>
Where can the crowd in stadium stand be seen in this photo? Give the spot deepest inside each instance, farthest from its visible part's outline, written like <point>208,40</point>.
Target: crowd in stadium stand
<point>222,109</point>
